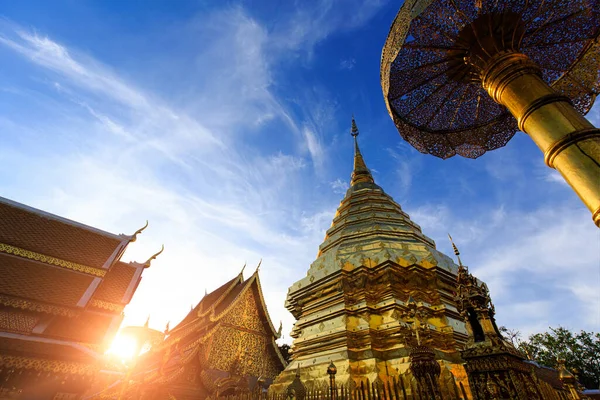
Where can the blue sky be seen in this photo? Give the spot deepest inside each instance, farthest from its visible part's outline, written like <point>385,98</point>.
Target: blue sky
<point>226,125</point>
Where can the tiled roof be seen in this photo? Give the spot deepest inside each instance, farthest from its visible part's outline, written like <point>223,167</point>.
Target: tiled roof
<point>115,283</point>
<point>30,279</point>
<point>207,302</point>
<point>51,235</point>
<point>85,328</point>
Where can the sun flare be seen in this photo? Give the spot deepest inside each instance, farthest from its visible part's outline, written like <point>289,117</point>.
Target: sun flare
<point>123,347</point>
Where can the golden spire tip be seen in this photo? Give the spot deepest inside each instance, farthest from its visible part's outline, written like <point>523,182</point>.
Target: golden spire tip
<point>456,252</point>
<point>354,131</point>
<point>258,266</point>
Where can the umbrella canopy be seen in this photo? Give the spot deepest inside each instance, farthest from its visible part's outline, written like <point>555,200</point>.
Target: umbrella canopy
<point>436,53</point>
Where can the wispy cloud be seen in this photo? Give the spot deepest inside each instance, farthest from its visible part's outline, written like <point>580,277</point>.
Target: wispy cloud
<point>518,253</point>
<point>348,64</point>
<point>215,199</point>
<point>339,186</point>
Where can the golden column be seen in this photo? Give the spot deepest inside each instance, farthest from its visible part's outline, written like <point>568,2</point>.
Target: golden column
<point>539,62</point>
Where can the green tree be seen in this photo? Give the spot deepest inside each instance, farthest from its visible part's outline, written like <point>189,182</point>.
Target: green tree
<point>285,352</point>
<point>581,352</point>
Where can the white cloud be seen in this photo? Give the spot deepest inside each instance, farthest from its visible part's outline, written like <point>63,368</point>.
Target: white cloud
<point>339,186</point>
<point>348,64</point>
<point>541,266</point>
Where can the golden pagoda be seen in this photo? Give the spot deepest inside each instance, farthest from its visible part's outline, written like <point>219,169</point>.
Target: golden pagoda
<point>377,288</point>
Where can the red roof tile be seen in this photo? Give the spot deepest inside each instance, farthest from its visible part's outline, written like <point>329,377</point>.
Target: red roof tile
<point>44,233</point>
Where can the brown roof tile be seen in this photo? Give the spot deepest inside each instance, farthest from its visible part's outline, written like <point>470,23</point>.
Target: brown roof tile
<point>33,280</point>
<point>115,283</point>
<point>51,235</point>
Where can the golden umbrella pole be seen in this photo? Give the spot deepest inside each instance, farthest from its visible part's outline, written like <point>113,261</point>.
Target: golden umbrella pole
<point>570,143</point>
<point>538,60</point>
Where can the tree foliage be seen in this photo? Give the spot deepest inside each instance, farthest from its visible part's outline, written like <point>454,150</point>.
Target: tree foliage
<point>285,352</point>
<point>581,352</point>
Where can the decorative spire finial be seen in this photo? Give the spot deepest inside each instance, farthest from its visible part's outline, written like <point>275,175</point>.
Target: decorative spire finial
<point>456,252</point>
<point>278,336</point>
<point>167,328</point>
<point>147,263</point>
<point>134,236</point>
<point>146,324</point>
<point>258,266</point>
<point>244,267</point>
<point>361,173</point>
<point>354,131</point>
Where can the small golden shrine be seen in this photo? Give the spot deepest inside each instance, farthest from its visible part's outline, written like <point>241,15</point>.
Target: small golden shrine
<point>377,288</point>
<point>224,346</point>
<point>62,292</point>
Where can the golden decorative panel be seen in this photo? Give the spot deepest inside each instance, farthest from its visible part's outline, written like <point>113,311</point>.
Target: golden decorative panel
<point>17,251</point>
<point>52,366</point>
<point>106,305</point>
<point>34,306</point>
<point>249,350</point>
<point>245,314</point>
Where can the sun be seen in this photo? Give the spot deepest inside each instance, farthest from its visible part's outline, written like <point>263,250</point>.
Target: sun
<point>123,347</point>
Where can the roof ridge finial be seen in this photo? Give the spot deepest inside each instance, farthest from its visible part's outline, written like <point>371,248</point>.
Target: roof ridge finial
<point>258,266</point>
<point>148,261</point>
<point>360,173</point>
<point>244,267</point>
<point>147,323</point>
<point>133,237</point>
<point>456,252</point>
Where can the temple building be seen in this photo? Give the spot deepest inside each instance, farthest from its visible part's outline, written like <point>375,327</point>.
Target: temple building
<point>377,287</point>
<point>62,293</point>
<point>224,346</point>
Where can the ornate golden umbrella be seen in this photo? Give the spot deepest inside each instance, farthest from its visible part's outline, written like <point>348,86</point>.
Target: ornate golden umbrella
<point>462,76</point>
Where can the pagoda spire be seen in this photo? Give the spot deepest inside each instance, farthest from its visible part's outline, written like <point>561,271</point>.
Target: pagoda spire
<point>361,173</point>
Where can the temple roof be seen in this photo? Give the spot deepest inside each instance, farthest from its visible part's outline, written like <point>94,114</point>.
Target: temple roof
<point>34,280</point>
<point>166,362</point>
<point>369,228</point>
<point>209,301</point>
<point>40,232</point>
<point>54,265</point>
<point>215,305</point>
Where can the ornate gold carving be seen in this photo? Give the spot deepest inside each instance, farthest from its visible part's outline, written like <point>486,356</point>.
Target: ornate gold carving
<point>52,366</point>
<point>34,306</point>
<point>17,251</point>
<point>107,305</point>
